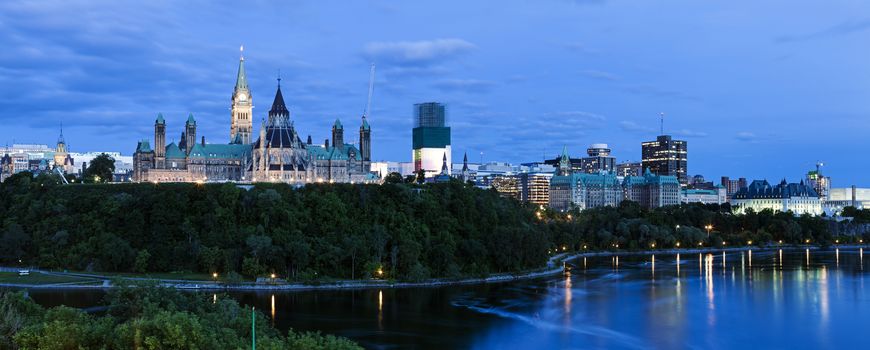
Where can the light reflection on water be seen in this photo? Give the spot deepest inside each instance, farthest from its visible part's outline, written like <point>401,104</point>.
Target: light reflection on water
<point>770,299</point>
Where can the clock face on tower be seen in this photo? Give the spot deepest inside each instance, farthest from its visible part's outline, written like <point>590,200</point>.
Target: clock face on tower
<point>243,97</point>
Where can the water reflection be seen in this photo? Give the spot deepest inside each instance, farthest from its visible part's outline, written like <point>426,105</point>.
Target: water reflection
<point>780,300</point>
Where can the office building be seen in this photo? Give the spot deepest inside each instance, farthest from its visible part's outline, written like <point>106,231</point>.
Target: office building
<point>819,182</point>
<point>598,159</point>
<point>430,138</point>
<point>666,157</point>
<point>732,186</point>
<point>629,168</point>
<point>716,195</point>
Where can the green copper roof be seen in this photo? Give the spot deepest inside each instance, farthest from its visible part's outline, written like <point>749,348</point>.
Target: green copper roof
<point>143,146</point>
<point>365,124</point>
<point>160,119</point>
<point>331,153</point>
<point>220,151</point>
<point>190,119</point>
<point>241,78</point>
<point>172,151</point>
<point>337,124</point>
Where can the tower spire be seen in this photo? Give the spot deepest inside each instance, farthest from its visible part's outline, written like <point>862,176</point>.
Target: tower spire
<point>242,77</point>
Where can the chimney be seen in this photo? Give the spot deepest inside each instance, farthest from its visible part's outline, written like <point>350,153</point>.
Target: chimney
<point>326,143</point>
<point>203,140</point>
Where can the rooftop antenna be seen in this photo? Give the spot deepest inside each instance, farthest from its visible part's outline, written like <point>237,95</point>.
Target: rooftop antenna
<point>279,78</point>
<point>662,123</point>
<point>371,90</point>
<point>242,52</point>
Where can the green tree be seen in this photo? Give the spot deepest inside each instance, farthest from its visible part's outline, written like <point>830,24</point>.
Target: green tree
<point>393,178</point>
<point>100,169</point>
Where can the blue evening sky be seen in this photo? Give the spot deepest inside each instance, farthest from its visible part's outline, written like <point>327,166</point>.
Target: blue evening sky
<point>761,89</point>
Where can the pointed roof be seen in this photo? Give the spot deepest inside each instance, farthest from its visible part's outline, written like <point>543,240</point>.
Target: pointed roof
<point>278,106</point>
<point>60,138</point>
<point>337,124</point>
<point>365,124</point>
<point>465,162</point>
<point>444,169</point>
<point>565,161</point>
<point>160,119</point>
<point>241,78</point>
<point>190,119</point>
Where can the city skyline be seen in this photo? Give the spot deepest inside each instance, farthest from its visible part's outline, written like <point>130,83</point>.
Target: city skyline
<point>589,72</point>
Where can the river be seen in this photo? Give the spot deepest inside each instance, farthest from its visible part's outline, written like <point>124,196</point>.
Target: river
<point>786,299</point>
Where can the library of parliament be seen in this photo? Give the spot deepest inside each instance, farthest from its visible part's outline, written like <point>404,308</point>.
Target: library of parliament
<point>277,154</point>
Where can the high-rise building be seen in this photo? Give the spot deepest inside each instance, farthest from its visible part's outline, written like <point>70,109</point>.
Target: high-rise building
<point>666,156</point>
<point>598,159</point>
<point>430,138</point>
<point>241,108</point>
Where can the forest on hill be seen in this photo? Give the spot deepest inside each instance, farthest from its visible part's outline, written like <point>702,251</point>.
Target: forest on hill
<point>343,231</point>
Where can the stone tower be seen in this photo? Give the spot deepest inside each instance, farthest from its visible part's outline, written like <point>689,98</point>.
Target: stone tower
<point>189,134</point>
<point>159,142</point>
<point>365,140</point>
<point>241,125</point>
<point>337,135</point>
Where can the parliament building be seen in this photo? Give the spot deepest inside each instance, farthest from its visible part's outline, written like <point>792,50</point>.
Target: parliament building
<point>278,154</point>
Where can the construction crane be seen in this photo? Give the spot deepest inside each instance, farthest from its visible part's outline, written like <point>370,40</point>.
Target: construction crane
<point>62,177</point>
<point>371,90</point>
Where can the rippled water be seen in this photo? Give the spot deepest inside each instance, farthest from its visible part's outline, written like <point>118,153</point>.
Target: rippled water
<point>759,300</point>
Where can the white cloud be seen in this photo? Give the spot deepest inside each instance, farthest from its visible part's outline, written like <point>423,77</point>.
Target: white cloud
<point>467,85</point>
<point>417,52</point>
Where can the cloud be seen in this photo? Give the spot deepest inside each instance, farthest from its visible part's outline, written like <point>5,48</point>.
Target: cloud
<point>746,136</point>
<point>466,85</point>
<point>687,133</point>
<point>423,52</point>
<point>635,127</point>
<point>656,92</point>
<point>599,75</point>
<point>843,28</point>
<point>581,48</point>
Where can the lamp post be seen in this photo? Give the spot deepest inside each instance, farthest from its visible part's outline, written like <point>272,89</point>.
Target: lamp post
<point>709,228</point>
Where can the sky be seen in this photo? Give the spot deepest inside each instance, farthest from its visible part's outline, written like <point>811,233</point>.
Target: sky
<point>759,89</point>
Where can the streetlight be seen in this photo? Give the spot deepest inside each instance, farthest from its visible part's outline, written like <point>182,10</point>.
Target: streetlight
<point>709,228</point>
<point>678,244</point>
<point>749,243</point>
<point>214,276</point>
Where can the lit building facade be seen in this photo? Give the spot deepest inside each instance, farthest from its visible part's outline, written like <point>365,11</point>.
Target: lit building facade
<point>569,189</point>
<point>799,198</point>
<point>629,169</point>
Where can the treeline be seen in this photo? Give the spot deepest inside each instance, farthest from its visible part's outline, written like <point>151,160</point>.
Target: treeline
<point>148,317</point>
<point>391,231</point>
<point>629,226</point>
<point>395,231</point>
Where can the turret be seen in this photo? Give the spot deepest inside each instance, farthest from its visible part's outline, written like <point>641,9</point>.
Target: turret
<point>159,142</point>
<point>337,135</point>
<point>190,133</point>
<point>365,140</point>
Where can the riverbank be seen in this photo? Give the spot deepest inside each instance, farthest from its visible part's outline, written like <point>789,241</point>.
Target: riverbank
<point>41,279</point>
